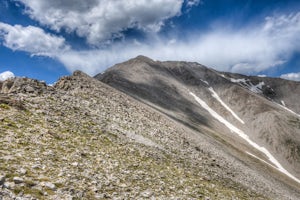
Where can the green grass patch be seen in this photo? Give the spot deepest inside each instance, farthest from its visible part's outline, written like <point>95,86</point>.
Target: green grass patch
<point>4,106</point>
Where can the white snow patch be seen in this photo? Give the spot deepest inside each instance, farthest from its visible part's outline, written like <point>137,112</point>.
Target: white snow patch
<point>282,102</point>
<point>259,85</point>
<point>247,83</point>
<point>262,75</point>
<point>289,110</point>
<point>244,136</point>
<point>204,81</point>
<point>6,75</point>
<point>216,96</point>
<point>258,158</point>
<point>242,80</point>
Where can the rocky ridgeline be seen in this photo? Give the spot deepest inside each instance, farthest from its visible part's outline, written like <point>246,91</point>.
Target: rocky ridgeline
<point>23,85</point>
<point>82,139</point>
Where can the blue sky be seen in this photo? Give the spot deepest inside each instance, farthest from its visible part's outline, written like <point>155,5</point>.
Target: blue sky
<point>49,39</point>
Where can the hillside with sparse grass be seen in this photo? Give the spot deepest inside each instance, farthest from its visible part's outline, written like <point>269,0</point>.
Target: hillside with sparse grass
<point>85,140</point>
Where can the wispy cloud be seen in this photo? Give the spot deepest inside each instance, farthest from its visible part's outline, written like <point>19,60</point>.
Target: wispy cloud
<point>291,76</point>
<point>249,50</point>
<point>191,3</point>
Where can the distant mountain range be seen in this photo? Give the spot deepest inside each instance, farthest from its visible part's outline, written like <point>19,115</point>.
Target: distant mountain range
<point>147,129</point>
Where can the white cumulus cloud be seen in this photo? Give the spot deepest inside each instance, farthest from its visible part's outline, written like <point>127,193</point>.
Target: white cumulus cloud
<point>291,76</point>
<point>31,39</point>
<point>99,20</point>
<point>6,75</point>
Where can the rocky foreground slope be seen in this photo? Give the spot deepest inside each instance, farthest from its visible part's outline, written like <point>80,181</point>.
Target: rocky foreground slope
<point>82,139</point>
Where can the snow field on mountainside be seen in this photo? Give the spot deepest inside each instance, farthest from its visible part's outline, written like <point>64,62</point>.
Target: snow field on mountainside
<point>240,133</point>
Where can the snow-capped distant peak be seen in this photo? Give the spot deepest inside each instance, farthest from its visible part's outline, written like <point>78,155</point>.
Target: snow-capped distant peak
<point>6,75</point>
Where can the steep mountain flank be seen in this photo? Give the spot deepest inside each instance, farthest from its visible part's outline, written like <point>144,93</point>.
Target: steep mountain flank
<point>241,113</point>
<point>83,139</point>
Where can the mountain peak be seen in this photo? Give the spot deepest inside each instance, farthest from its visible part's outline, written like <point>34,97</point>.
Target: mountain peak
<point>78,79</point>
<point>79,74</point>
<point>143,58</point>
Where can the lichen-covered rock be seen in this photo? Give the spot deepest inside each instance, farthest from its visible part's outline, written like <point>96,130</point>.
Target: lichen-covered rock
<point>18,180</point>
<point>49,185</point>
<point>2,179</point>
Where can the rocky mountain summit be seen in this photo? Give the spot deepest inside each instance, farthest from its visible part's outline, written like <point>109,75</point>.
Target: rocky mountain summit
<point>143,138</point>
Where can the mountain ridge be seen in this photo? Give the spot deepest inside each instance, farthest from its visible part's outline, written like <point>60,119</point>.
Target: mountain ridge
<point>83,138</point>
<point>66,145</point>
